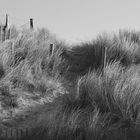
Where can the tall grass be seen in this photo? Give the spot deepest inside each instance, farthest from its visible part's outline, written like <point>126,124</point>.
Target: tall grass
<point>103,107</point>
<point>123,47</point>
<point>93,87</point>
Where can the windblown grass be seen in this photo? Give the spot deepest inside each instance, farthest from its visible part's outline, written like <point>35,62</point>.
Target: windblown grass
<point>103,107</point>
<point>82,92</point>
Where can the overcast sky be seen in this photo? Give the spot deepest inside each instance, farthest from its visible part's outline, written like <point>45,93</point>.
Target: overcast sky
<point>74,20</point>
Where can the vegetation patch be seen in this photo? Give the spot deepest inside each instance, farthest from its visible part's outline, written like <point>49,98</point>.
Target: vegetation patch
<point>88,91</point>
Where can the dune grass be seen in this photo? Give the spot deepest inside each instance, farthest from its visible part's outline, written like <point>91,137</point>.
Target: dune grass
<point>88,91</point>
<point>103,107</point>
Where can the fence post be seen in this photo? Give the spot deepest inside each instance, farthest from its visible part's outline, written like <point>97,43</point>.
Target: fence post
<point>51,49</point>
<point>4,28</point>
<point>105,52</point>
<point>31,23</point>
<point>0,33</point>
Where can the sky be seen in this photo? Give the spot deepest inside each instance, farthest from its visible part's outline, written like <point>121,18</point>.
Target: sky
<point>74,20</point>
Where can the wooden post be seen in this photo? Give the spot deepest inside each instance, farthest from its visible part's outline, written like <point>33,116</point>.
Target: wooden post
<point>105,51</point>
<point>51,49</point>
<point>104,59</point>
<point>6,22</point>
<point>0,33</point>
<point>31,23</point>
<point>4,28</point>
